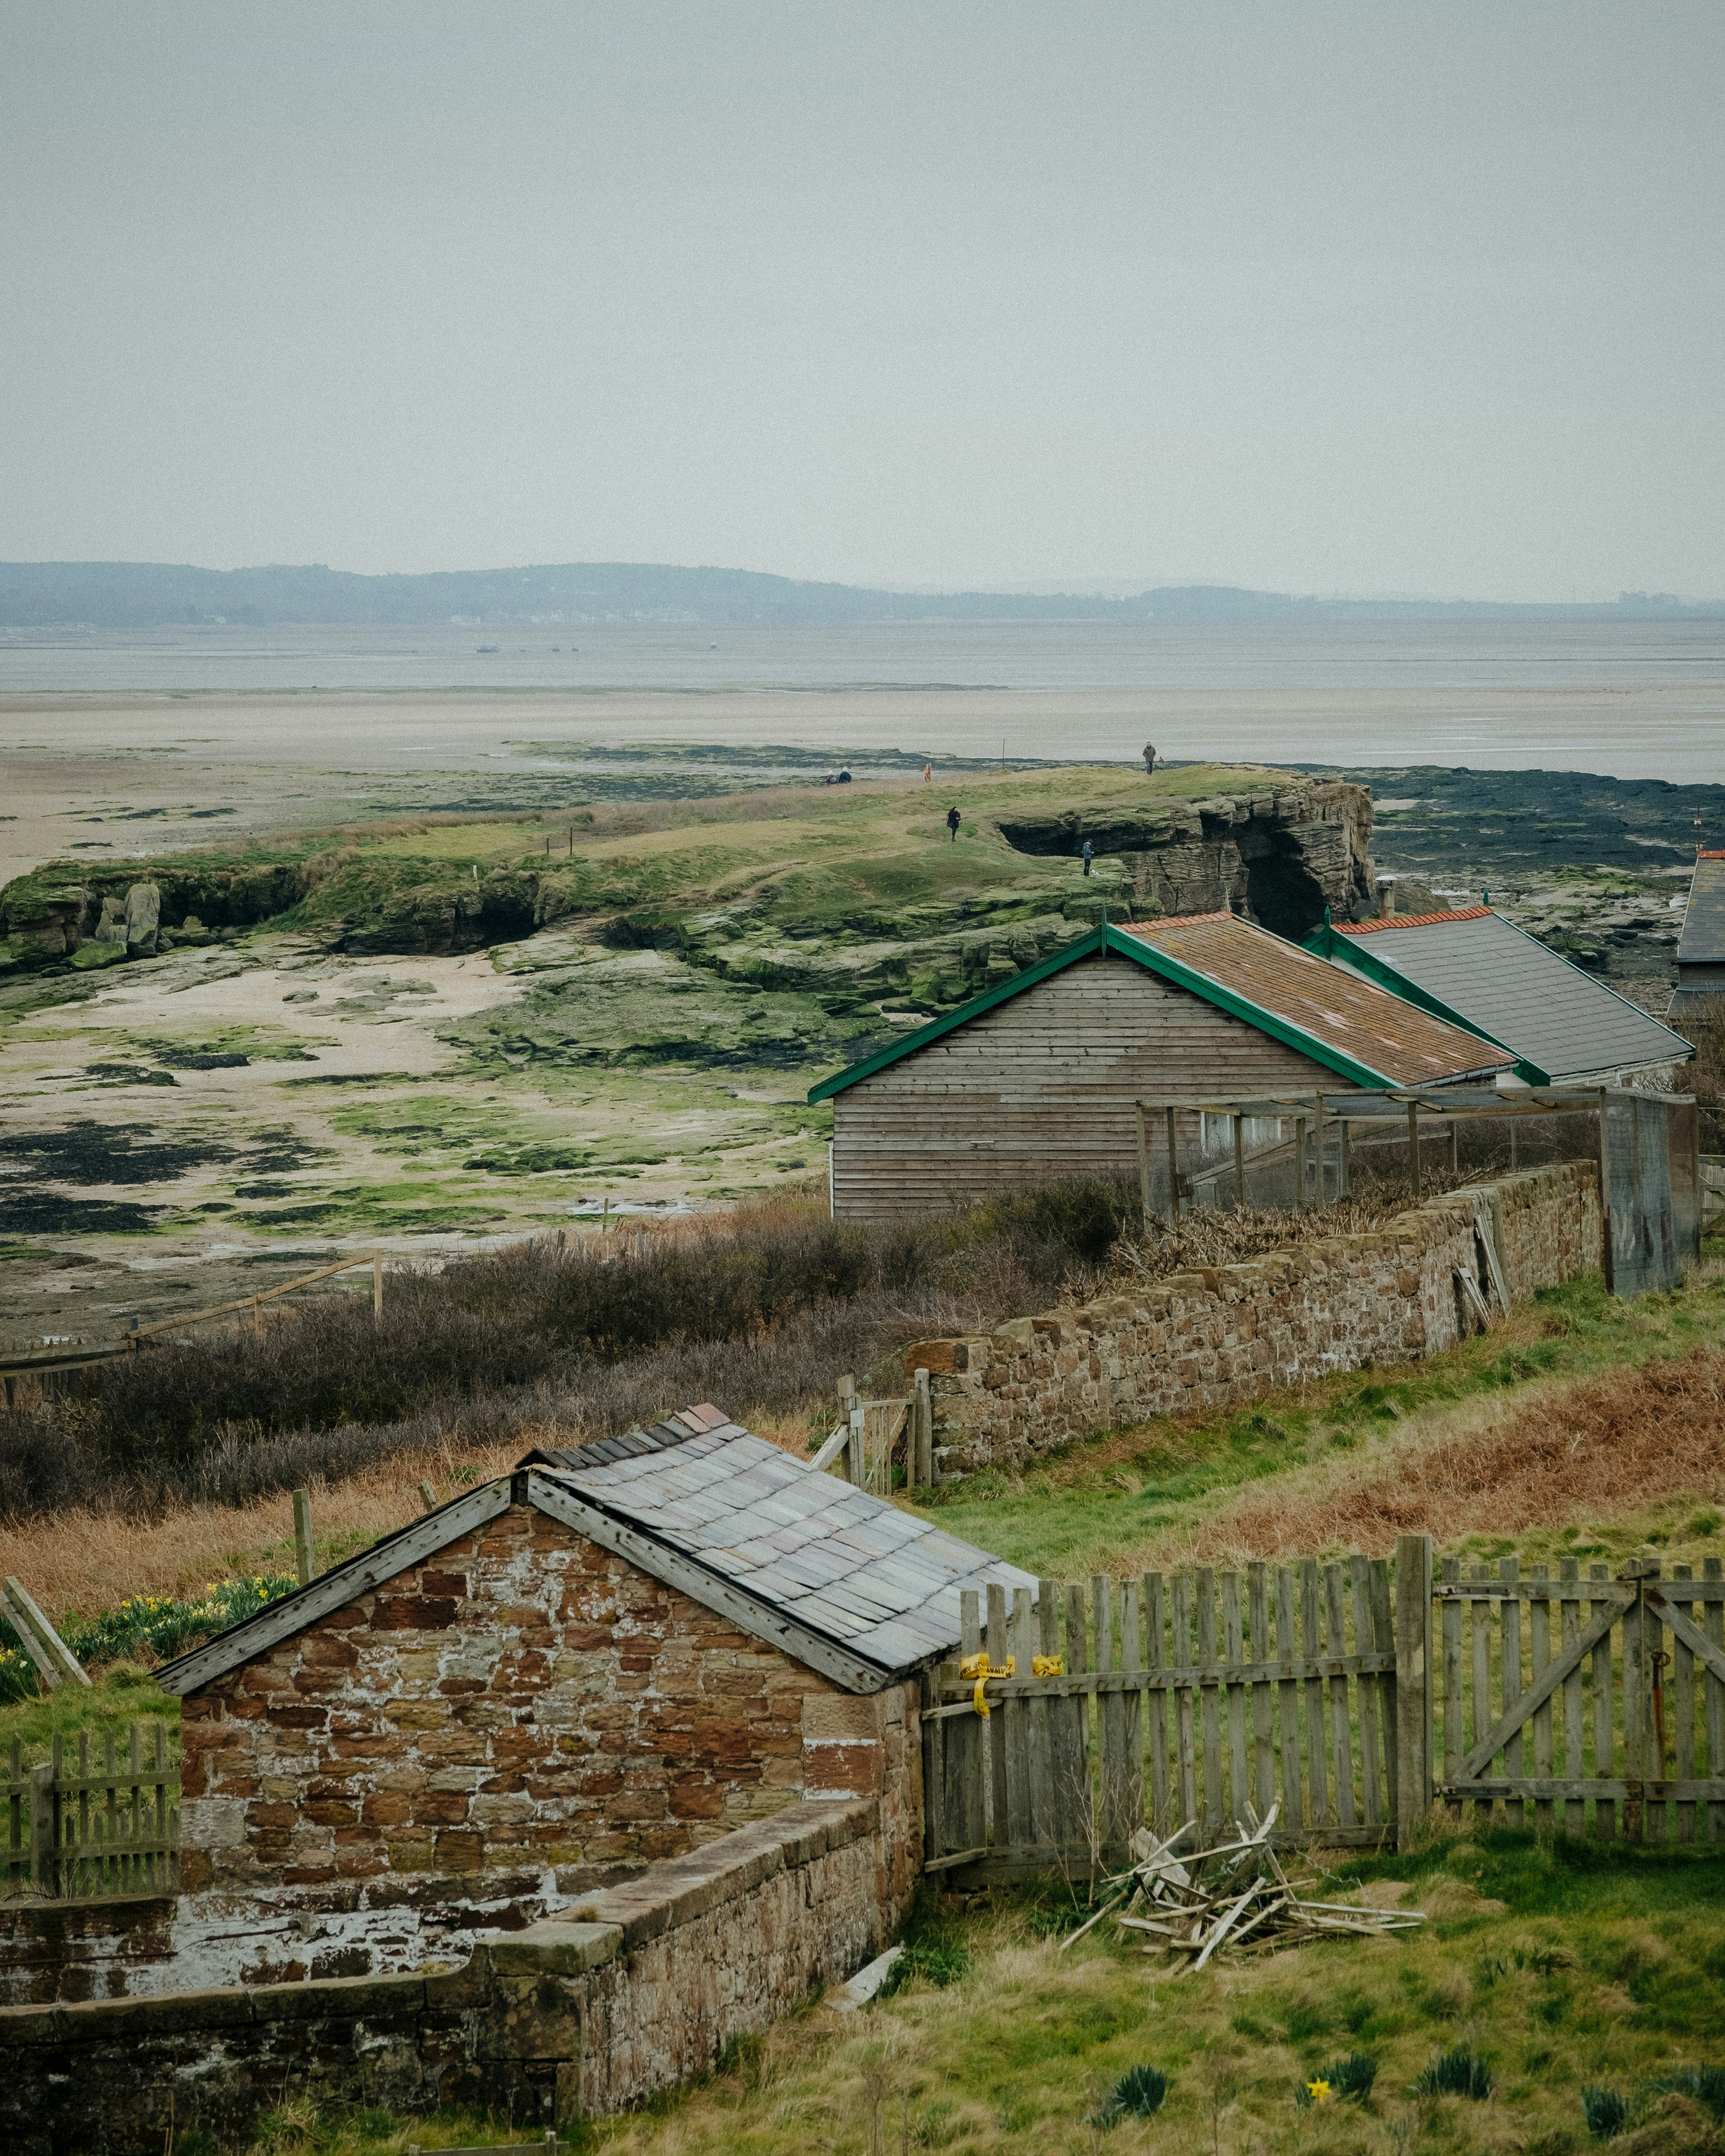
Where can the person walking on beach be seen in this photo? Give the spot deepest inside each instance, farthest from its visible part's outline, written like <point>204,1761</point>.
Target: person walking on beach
<point>952,822</point>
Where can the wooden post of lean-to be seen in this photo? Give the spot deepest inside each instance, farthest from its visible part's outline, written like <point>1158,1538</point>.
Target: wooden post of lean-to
<point>1414,1146</point>
<point>1143,1167</point>
<point>1174,1172</point>
<point>1239,1122</point>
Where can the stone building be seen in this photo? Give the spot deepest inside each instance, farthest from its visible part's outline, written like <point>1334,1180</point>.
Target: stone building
<point>614,1655</point>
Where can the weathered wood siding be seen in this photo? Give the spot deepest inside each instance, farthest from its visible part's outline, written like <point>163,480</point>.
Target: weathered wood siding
<point>1044,1085</point>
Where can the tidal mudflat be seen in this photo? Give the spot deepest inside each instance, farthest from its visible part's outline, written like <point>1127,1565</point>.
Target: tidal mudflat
<point>482,963</point>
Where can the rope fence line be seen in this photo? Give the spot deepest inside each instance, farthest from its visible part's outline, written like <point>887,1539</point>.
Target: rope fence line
<point>33,1360</point>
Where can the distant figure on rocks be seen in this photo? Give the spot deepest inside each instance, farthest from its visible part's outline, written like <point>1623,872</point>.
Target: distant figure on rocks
<point>1088,850</point>
<point>1149,757</point>
<point>953,823</point>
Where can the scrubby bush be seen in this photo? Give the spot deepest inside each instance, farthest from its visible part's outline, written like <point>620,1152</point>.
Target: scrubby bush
<point>759,1311</point>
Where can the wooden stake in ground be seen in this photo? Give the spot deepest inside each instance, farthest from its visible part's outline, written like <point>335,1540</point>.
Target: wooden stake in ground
<point>303,1550</point>
<point>55,1662</point>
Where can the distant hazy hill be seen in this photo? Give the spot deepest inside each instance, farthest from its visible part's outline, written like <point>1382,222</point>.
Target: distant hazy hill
<point>589,594</point>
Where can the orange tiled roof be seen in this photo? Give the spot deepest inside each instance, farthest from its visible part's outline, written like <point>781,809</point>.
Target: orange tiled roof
<point>1406,1044</point>
<point>1410,920</point>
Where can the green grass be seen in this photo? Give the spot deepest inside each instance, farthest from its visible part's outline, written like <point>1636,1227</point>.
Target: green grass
<point>119,1697</point>
<point>1096,1504</point>
<point>1604,1968</point>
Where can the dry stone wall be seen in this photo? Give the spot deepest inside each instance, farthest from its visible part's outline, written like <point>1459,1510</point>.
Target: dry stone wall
<point>584,2014</point>
<point>1209,1339</point>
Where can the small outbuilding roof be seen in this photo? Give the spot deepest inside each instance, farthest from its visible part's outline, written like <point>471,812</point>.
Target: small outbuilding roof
<point>1365,1035</point>
<point>1702,942</point>
<point>836,1577</point>
<point>1405,1045</point>
<point>1476,969</point>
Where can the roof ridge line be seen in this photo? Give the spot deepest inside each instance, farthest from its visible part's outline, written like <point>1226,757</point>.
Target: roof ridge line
<point>1414,919</point>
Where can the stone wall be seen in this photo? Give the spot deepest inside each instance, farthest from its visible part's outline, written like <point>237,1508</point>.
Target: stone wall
<point>1209,1339</point>
<point>642,1986</point>
<point>64,1951</point>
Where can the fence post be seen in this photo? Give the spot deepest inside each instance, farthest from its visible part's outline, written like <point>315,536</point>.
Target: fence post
<point>1413,1682</point>
<point>303,1550</point>
<point>43,1873</point>
<point>856,1460</point>
<point>376,1287</point>
<point>923,1476</point>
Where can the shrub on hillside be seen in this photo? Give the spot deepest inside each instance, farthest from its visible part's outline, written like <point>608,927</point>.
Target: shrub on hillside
<point>759,1311</point>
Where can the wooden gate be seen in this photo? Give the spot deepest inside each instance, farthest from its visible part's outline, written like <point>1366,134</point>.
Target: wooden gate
<point>1595,1703</point>
<point>1352,1695</point>
<point>1208,1696</point>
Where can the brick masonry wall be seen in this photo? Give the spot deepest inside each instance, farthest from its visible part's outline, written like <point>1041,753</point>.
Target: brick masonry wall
<point>519,1719</point>
<point>1231,1333</point>
<point>584,2014</point>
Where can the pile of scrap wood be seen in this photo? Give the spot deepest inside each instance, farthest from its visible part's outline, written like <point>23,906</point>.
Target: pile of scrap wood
<point>1235,1896</point>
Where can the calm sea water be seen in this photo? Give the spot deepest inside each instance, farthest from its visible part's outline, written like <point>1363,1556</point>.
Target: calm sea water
<point>1637,699</point>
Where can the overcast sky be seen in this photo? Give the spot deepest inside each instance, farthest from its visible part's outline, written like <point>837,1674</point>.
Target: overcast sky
<point>1378,298</point>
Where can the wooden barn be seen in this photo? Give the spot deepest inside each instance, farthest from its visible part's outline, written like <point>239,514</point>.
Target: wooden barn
<point>1040,1077</point>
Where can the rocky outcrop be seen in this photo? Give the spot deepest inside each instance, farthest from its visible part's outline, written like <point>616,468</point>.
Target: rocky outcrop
<point>143,918</point>
<point>1279,856</point>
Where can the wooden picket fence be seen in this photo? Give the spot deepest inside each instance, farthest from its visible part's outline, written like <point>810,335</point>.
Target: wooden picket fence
<point>1590,1730</point>
<point>1352,1695</point>
<point>110,1832</point>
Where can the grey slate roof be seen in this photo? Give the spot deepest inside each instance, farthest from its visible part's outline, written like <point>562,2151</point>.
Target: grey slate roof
<point>845,1564</point>
<point>1702,942</point>
<point>828,1575</point>
<point>1494,976</point>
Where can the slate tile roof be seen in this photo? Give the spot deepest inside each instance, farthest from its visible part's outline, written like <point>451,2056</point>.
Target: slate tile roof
<point>883,1583</point>
<point>1406,1045</point>
<point>1497,976</point>
<point>803,1549</point>
<point>1702,942</point>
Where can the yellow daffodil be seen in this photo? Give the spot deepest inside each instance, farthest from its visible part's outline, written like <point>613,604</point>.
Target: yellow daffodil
<point>1318,2090</point>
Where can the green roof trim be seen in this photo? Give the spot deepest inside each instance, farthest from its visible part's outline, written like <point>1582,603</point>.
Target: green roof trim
<point>1327,942</point>
<point>1100,942</point>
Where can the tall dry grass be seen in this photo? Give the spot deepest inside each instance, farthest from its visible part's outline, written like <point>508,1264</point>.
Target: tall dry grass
<point>85,1560</point>
<point>1599,1447</point>
<point>89,1560</point>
